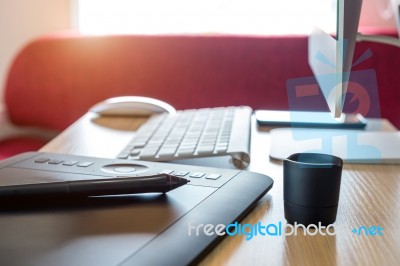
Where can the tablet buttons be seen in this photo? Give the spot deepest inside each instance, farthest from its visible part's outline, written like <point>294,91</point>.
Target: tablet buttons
<point>65,163</point>
<point>84,164</point>
<point>54,162</point>
<point>69,163</point>
<point>197,175</point>
<point>181,173</point>
<point>41,160</point>
<point>213,176</point>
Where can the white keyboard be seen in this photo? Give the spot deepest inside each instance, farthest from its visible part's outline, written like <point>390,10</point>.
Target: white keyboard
<point>193,133</point>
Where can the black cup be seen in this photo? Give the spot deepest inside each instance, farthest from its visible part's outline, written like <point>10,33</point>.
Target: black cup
<point>311,187</point>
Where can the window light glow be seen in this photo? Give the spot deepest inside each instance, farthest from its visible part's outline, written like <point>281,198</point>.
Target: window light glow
<point>271,17</point>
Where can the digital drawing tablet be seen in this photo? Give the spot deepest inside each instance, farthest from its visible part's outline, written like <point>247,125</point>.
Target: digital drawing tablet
<point>142,229</point>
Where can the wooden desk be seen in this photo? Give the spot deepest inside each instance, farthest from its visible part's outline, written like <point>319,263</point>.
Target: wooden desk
<point>370,196</point>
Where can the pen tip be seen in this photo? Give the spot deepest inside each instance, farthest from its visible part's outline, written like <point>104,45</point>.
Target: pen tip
<point>178,180</point>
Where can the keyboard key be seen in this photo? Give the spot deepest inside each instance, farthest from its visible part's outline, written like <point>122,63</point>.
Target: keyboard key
<point>139,144</point>
<point>135,152</point>
<point>197,175</point>
<point>129,146</point>
<point>213,176</point>
<point>123,155</point>
<point>222,147</point>
<point>155,141</point>
<point>188,145</point>
<point>188,134</point>
<point>170,146</point>
<point>148,152</point>
<point>166,153</point>
<point>185,151</point>
<point>208,141</point>
<point>223,139</point>
<point>205,149</point>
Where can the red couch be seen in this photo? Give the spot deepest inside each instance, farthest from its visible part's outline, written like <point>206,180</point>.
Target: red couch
<point>55,79</point>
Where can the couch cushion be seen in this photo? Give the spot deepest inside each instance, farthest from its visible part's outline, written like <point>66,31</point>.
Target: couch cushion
<point>13,146</point>
<point>54,80</point>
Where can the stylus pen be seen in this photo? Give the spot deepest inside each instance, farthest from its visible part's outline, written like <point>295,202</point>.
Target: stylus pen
<point>95,187</point>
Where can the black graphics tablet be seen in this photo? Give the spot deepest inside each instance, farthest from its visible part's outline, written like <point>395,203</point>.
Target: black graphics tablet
<point>142,229</point>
